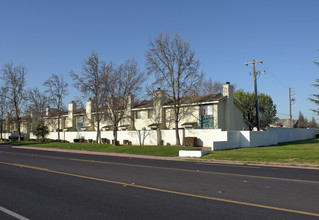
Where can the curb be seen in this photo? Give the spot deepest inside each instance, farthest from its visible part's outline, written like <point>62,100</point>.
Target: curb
<point>261,165</point>
<point>160,158</point>
<point>95,153</point>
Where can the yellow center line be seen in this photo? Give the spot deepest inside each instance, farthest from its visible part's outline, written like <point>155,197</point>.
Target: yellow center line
<point>162,190</point>
<point>168,168</point>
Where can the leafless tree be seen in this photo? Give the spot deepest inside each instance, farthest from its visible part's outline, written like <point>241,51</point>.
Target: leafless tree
<point>14,79</point>
<point>123,81</point>
<point>173,63</point>
<point>3,107</point>
<point>211,87</point>
<point>57,90</point>
<point>38,102</point>
<point>91,82</point>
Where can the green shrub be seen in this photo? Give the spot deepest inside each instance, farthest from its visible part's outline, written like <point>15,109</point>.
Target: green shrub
<point>39,129</point>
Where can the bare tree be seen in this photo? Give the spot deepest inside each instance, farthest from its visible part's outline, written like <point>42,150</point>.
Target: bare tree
<point>91,82</point>
<point>3,107</point>
<point>173,63</point>
<point>57,89</point>
<point>211,87</point>
<point>208,86</point>
<point>14,79</point>
<point>124,81</point>
<point>38,102</point>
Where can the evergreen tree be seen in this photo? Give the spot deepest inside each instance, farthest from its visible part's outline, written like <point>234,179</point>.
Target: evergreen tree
<point>315,97</point>
<point>313,123</point>
<point>302,121</point>
<point>39,129</point>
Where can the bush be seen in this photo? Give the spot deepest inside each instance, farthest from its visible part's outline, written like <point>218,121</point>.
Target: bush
<point>104,140</point>
<point>39,129</point>
<point>117,142</point>
<point>190,141</point>
<point>76,140</point>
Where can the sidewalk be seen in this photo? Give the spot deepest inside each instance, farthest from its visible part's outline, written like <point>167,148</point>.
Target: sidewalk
<point>298,166</point>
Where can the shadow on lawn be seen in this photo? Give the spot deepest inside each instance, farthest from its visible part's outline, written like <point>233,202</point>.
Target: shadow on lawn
<point>22,143</point>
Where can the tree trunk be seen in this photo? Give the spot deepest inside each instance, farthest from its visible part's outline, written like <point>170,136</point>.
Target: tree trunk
<point>177,134</point>
<point>98,133</point>
<point>19,130</point>
<point>178,143</point>
<point>58,126</point>
<point>115,135</point>
<point>1,128</point>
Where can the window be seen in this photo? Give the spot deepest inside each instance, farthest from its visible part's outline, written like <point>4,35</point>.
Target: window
<point>150,113</point>
<point>79,123</point>
<point>206,110</point>
<point>138,115</point>
<point>206,116</point>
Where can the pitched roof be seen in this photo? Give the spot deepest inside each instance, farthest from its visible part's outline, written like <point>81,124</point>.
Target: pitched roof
<point>143,104</point>
<point>202,98</point>
<point>184,100</point>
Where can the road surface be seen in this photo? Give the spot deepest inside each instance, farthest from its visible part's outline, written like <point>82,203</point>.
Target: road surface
<point>56,185</point>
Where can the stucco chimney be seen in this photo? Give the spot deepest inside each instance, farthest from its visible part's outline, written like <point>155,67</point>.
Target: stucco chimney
<point>71,119</point>
<point>228,90</point>
<point>47,111</point>
<point>159,97</point>
<point>88,109</point>
<point>130,101</point>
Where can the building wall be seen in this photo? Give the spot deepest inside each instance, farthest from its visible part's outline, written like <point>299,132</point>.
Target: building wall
<point>221,116</point>
<point>187,114</point>
<point>239,123</point>
<point>144,121</point>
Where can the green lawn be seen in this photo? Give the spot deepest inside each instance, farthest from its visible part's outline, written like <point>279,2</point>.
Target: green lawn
<point>292,153</point>
<point>299,152</point>
<point>164,151</point>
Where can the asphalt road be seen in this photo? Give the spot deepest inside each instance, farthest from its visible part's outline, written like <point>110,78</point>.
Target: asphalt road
<point>55,185</point>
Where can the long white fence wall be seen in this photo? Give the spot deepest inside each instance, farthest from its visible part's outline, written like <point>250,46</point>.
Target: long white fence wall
<point>214,138</point>
<point>147,137</point>
<point>273,136</point>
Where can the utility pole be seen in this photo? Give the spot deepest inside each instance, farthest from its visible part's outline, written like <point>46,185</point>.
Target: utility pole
<point>256,94</point>
<point>291,100</point>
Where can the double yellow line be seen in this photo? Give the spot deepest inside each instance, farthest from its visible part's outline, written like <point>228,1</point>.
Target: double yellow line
<point>165,168</point>
<point>160,190</point>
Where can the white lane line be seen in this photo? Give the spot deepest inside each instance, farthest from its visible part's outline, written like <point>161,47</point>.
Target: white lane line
<point>13,214</point>
<point>228,165</point>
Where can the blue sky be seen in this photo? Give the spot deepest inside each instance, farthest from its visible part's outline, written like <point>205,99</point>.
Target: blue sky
<point>56,36</point>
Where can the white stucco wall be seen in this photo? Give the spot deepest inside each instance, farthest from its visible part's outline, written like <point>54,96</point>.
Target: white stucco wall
<point>214,138</point>
<point>238,139</point>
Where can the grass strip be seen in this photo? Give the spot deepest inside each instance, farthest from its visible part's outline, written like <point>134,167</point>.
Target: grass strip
<point>306,151</point>
<point>164,151</point>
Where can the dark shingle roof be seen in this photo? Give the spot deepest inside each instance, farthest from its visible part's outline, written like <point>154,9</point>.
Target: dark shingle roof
<point>200,98</point>
<point>184,100</point>
<point>143,104</point>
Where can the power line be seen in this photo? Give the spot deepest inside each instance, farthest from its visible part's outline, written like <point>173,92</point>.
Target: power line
<point>275,77</point>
